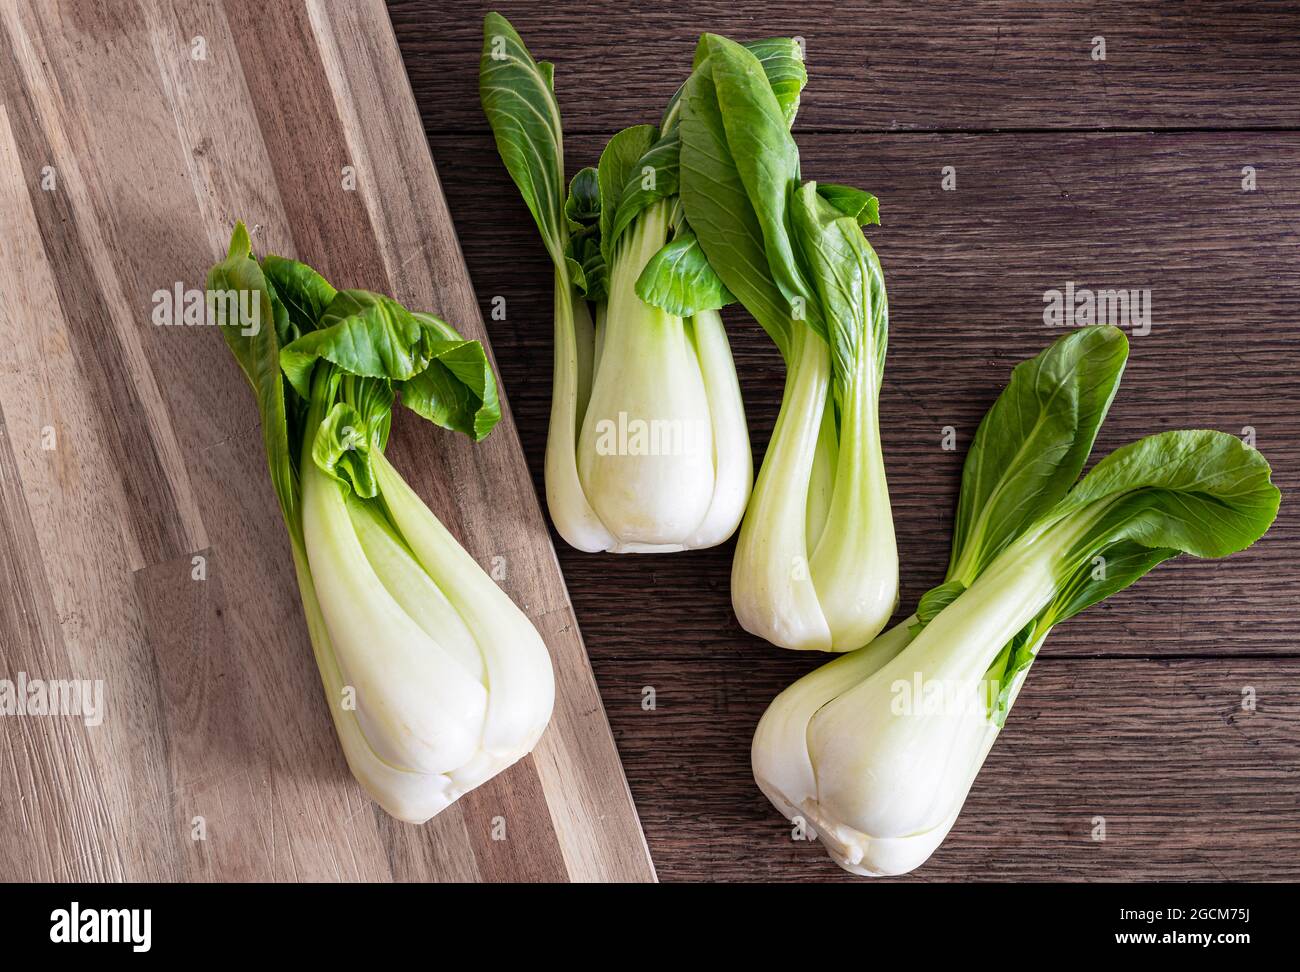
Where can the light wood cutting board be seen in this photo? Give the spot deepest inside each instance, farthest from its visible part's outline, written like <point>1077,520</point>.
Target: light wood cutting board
<point>132,136</point>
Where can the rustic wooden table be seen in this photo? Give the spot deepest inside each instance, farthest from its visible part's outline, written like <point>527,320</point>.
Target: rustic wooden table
<point>1173,164</point>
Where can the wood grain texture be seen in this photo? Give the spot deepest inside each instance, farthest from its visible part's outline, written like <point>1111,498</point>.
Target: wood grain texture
<point>1190,786</point>
<point>886,66</point>
<point>130,458</point>
<point>1133,712</point>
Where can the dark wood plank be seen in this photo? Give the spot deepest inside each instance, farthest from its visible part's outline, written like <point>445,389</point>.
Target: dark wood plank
<point>892,65</point>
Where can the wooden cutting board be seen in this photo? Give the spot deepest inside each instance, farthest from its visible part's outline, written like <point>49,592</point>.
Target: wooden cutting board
<point>140,541</point>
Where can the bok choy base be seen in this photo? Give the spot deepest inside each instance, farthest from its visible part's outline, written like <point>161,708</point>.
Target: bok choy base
<point>878,770</point>
<point>816,567</point>
<point>435,680</point>
<point>639,343</point>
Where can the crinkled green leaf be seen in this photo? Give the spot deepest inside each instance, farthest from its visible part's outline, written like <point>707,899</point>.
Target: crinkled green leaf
<point>863,207</point>
<point>373,399</point>
<point>679,279</point>
<point>304,292</point>
<point>582,207</point>
<point>457,390</point>
<point>617,163</point>
<point>364,334</point>
<point>341,448</point>
<point>1032,444</point>
<point>587,266</point>
<point>518,96</point>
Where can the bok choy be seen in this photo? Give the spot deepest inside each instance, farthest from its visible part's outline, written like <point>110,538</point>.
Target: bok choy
<point>877,750</point>
<point>647,449</point>
<point>816,566</point>
<point>435,680</point>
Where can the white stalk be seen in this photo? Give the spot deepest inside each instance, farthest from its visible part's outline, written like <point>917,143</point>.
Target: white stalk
<point>520,679</point>
<point>573,516</point>
<point>772,588</point>
<point>733,461</point>
<point>784,770</point>
<point>417,706</point>
<point>896,754</point>
<point>869,856</point>
<point>855,563</point>
<point>409,796</point>
<point>645,452</point>
<point>414,589</point>
<point>779,754</point>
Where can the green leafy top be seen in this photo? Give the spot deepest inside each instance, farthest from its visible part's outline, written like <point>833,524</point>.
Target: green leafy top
<point>1033,443</point>
<point>850,284</point>
<point>734,133</point>
<point>641,166</point>
<point>862,206</point>
<point>1198,492</point>
<point>518,97</point>
<point>372,349</point>
<point>791,251</point>
<point>439,374</point>
<point>1029,450</point>
<point>717,203</point>
<point>585,261</point>
<point>782,61</point>
<point>679,278</point>
<point>1202,492</point>
<point>618,175</point>
<point>638,167</point>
